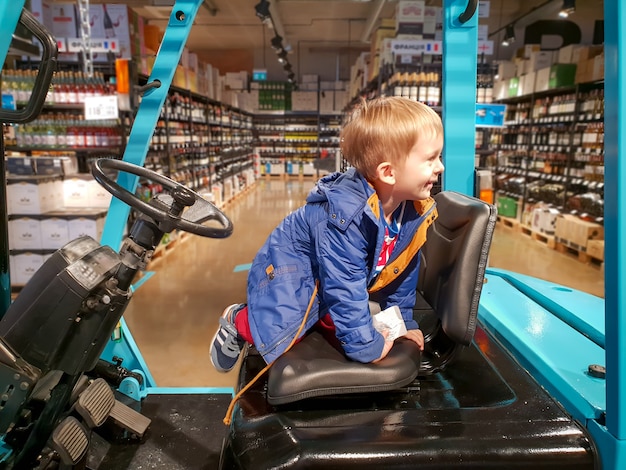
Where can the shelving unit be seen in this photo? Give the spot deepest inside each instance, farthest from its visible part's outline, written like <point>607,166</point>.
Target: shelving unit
<point>203,144</point>
<point>199,142</point>
<point>297,142</point>
<point>551,151</point>
<point>61,128</point>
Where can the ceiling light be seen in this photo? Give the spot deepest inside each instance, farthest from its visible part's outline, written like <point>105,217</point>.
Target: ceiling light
<point>509,35</point>
<point>569,8</point>
<point>277,42</point>
<point>263,11</point>
<point>282,56</point>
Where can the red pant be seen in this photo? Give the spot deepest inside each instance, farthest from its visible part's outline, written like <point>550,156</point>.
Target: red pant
<point>325,325</point>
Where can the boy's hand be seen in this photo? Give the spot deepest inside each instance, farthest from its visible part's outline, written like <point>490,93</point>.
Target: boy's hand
<point>387,347</point>
<point>417,337</point>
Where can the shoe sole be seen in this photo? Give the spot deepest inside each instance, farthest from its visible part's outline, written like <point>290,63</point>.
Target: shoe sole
<point>212,349</point>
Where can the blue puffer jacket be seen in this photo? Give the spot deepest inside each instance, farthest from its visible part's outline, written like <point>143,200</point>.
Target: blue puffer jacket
<point>336,238</point>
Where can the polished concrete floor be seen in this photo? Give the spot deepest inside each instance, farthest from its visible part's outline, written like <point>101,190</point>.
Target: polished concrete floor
<point>173,315</point>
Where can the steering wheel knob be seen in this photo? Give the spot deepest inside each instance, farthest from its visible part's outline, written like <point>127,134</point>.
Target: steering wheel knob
<point>183,195</point>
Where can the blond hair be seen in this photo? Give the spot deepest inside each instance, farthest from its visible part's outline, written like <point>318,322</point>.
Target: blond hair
<point>386,129</point>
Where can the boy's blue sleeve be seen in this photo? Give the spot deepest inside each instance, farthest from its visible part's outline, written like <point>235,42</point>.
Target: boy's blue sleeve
<point>342,256</point>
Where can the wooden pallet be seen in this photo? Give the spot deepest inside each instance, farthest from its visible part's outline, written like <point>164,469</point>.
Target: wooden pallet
<point>509,222</point>
<point>538,236</point>
<point>580,252</point>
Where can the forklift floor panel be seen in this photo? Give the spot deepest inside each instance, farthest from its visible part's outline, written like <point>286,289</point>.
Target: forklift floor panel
<point>482,411</point>
<point>186,433</point>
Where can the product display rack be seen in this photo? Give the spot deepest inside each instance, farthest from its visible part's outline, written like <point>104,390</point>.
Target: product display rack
<point>200,142</point>
<point>297,142</point>
<point>61,128</point>
<point>551,150</point>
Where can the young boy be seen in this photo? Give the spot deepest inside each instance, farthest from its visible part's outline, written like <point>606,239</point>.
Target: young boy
<point>357,238</point>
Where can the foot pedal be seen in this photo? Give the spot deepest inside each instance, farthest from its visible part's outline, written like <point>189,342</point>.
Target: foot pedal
<point>95,403</point>
<point>130,419</point>
<point>70,441</point>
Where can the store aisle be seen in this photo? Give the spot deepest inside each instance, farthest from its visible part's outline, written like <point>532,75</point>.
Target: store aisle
<point>174,314</point>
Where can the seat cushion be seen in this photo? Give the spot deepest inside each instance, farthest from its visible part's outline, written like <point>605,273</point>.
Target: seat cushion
<point>313,367</point>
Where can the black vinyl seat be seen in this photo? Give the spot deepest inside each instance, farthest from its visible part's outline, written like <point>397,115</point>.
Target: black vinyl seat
<point>452,271</point>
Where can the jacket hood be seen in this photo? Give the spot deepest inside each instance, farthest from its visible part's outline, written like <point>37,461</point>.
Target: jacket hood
<point>344,192</point>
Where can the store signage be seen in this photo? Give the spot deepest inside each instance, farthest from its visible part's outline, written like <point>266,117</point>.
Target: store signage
<point>490,115</point>
<point>259,75</point>
<point>101,107</point>
<point>95,44</point>
<point>483,32</point>
<point>485,47</point>
<point>483,9</point>
<point>8,101</point>
<point>410,47</point>
<point>415,47</point>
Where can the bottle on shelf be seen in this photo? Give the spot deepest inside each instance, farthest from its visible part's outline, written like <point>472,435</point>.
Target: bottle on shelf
<point>422,95</point>
<point>433,90</point>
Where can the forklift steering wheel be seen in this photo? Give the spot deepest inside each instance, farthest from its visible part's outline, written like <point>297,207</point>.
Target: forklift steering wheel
<point>199,210</point>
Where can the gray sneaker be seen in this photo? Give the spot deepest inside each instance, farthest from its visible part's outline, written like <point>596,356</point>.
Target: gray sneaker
<point>227,345</point>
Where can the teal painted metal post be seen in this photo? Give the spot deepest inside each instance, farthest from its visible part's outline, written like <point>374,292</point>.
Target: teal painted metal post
<point>614,200</point>
<point>10,13</point>
<point>459,96</point>
<point>174,39</point>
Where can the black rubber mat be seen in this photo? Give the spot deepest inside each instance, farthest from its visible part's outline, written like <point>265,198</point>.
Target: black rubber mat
<point>186,433</point>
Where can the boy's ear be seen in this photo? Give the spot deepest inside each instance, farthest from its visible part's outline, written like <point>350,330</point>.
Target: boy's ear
<point>386,173</point>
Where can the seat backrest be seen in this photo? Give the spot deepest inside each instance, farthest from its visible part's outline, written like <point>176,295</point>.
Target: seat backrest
<point>453,266</point>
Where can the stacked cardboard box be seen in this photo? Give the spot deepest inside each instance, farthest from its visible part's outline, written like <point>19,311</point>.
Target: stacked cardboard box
<point>534,70</point>
<point>576,233</point>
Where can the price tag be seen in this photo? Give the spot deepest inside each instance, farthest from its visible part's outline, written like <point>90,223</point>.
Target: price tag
<point>101,107</point>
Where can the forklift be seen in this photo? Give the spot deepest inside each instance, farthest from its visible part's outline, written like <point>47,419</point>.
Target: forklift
<point>516,371</point>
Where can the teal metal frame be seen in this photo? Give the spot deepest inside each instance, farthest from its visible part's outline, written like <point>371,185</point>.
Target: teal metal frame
<point>10,13</point>
<point>611,438</point>
<point>176,34</point>
<point>459,96</point>
<point>531,329</point>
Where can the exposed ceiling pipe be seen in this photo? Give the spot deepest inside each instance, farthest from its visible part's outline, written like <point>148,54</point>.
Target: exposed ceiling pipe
<point>372,19</point>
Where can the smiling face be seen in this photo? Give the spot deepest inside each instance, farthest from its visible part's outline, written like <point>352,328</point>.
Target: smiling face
<point>385,130</point>
<point>415,177</point>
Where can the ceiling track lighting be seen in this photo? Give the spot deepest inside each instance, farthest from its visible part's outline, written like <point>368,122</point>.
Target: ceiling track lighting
<point>569,8</point>
<point>282,56</point>
<point>277,42</point>
<point>509,35</point>
<point>263,10</point>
